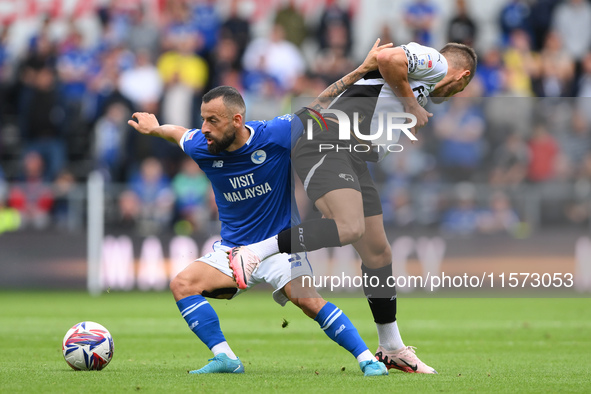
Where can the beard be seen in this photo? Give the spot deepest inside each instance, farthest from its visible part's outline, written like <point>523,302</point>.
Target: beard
<point>217,146</point>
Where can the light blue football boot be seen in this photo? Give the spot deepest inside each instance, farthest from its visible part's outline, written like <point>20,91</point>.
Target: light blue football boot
<point>221,364</point>
<point>373,368</point>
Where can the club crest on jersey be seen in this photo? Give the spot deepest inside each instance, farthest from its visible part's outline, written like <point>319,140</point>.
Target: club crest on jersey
<point>424,62</point>
<point>258,157</point>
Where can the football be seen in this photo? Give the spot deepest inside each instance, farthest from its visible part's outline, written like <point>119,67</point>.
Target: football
<point>88,346</point>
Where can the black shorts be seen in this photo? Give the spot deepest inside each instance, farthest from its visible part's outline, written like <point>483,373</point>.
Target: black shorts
<point>322,172</point>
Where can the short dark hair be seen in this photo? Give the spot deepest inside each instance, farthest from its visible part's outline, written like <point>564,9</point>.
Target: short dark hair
<point>231,97</point>
<point>461,56</point>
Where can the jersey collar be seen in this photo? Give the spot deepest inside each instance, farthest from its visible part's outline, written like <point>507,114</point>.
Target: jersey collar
<point>251,134</point>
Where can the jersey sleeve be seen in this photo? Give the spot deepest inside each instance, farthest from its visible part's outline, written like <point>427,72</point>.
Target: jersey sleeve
<point>285,130</point>
<point>424,63</point>
<point>188,141</point>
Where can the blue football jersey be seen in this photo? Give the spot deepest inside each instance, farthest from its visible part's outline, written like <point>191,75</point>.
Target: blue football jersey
<point>252,185</point>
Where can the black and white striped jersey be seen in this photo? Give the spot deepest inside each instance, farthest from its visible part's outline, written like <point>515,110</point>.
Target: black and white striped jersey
<point>371,97</point>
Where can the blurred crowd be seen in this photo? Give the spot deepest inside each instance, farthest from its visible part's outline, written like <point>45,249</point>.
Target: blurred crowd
<point>64,106</point>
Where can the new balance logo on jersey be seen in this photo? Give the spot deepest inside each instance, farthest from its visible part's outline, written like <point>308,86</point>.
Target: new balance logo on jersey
<point>218,164</point>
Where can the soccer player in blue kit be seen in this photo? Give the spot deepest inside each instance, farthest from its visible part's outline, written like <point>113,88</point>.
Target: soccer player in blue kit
<point>248,164</point>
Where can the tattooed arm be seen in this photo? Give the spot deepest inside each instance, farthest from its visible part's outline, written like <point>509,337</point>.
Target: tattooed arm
<point>369,64</point>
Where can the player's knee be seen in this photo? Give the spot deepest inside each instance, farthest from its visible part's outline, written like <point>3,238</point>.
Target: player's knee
<point>182,287</point>
<point>176,287</point>
<point>384,254</point>
<point>379,256</point>
<point>351,230</point>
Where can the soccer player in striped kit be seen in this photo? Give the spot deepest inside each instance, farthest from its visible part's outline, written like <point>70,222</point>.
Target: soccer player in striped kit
<point>339,183</point>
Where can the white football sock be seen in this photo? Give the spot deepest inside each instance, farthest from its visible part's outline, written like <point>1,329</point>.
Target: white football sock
<point>265,248</point>
<point>389,336</point>
<point>223,347</point>
<point>366,356</point>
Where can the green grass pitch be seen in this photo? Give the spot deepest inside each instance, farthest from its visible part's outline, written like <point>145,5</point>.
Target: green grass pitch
<point>482,345</point>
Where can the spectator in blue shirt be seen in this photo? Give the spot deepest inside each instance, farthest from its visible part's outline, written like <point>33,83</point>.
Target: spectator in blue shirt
<point>420,16</point>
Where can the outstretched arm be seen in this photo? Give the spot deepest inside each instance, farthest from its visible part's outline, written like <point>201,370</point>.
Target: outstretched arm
<point>148,124</point>
<point>369,64</point>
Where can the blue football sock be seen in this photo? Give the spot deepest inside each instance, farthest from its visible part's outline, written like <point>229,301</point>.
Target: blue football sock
<point>339,328</point>
<point>202,319</point>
